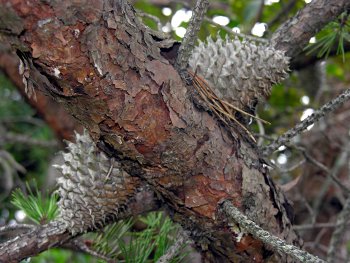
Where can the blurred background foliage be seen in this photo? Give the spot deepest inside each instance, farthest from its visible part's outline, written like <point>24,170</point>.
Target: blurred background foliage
<point>23,161</point>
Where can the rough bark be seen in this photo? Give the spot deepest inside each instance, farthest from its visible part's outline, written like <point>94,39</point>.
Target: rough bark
<point>53,113</point>
<point>293,35</point>
<point>114,78</point>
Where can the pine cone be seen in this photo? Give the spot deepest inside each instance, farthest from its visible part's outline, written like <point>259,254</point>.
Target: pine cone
<point>92,188</point>
<point>241,73</point>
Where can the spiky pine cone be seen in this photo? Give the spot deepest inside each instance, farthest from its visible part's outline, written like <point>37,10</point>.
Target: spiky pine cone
<point>241,73</point>
<point>92,188</point>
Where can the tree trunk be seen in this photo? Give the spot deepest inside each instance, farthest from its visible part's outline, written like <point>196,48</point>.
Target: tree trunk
<point>113,75</point>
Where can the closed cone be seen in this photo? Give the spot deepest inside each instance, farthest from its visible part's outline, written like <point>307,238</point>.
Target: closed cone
<point>239,72</point>
<point>92,188</point>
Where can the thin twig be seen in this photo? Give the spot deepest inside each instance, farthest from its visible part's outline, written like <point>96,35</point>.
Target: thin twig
<point>292,167</point>
<point>318,225</point>
<point>283,12</point>
<point>301,126</point>
<point>309,208</point>
<point>332,173</point>
<point>9,228</point>
<point>338,233</point>
<point>80,244</point>
<point>181,241</point>
<point>10,137</point>
<point>229,30</point>
<point>261,131</point>
<point>14,165</point>
<point>190,37</point>
<point>25,119</point>
<point>258,15</point>
<point>152,17</point>
<point>273,241</point>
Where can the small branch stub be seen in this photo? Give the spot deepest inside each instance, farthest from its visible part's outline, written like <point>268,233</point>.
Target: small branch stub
<point>190,37</point>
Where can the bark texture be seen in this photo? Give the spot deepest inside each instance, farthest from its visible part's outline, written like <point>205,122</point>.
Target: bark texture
<point>111,72</point>
<point>294,35</point>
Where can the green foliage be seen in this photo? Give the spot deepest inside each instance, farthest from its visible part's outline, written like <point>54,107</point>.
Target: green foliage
<point>56,255</point>
<point>122,243</point>
<point>164,229</point>
<point>282,98</point>
<point>336,34</point>
<point>40,208</point>
<point>18,117</point>
<point>118,241</point>
<point>251,9</point>
<point>107,242</point>
<point>333,69</point>
<point>139,247</point>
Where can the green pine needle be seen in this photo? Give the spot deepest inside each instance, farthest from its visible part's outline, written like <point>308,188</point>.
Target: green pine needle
<point>118,241</point>
<point>138,248</point>
<point>107,242</point>
<point>39,208</point>
<point>334,34</point>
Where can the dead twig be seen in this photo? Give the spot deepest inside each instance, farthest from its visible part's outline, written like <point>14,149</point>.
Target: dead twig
<point>190,37</point>
<point>301,126</point>
<point>337,236</point>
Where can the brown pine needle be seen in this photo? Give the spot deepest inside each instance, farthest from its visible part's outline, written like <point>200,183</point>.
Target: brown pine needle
<point>217,105</point>
<point>203,84</point>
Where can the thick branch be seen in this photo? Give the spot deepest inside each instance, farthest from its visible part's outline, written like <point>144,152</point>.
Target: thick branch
<point>294,35</point>
<point>108,70</point>
<point>54,234</point>
<point>33,242</point>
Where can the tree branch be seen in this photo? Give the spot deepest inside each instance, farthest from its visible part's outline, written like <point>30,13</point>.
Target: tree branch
<point>190,37</point>
<point>114,78</point>
<point>316,225</point>
<point>275,242</point>
<point>229,30</point>
<point>33,242</point>
<point>181,241</point>
<point>54,234</point>
<point>338,233</point>
<point>282,13</point>
<point>9,228</point>
<point>301,126</point>
<point>294,35</point>
<point>10,137</point>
